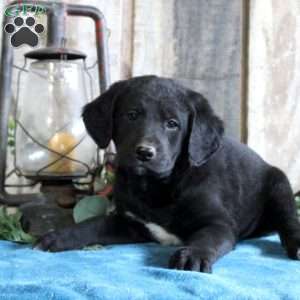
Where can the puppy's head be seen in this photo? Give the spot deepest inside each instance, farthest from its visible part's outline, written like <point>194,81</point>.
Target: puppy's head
<point>153,121</point>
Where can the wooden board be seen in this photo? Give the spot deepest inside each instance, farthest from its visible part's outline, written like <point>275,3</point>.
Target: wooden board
<point>274,84</point>
<point>198,43</point>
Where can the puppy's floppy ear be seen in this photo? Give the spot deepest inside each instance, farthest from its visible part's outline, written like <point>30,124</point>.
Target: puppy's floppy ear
<point>206,130</point>
<point>98,115</point>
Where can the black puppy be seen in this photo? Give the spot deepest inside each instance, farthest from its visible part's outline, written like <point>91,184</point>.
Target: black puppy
<point>179,181</point>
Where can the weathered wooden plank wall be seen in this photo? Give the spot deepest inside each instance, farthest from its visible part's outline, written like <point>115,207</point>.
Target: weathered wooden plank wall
<point>198,42</point>
<point>274,84</point>
<point>208,54</point>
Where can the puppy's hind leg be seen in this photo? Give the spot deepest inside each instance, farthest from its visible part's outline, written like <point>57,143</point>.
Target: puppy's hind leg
<point>281,208</point>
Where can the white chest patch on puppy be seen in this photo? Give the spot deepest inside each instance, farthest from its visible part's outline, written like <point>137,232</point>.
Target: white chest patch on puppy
<point>160,234</point>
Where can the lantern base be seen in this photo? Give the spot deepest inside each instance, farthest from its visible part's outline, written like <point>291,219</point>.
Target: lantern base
<point>48,210</point>
<point>59,177</point>
<point>43,214</point>
<point>51,209</point>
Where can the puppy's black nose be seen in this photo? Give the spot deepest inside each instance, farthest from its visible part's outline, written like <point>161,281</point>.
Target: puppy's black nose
<point>145,152</point>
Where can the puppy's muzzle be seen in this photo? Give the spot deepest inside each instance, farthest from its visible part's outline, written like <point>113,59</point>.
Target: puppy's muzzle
<point>145,152</point>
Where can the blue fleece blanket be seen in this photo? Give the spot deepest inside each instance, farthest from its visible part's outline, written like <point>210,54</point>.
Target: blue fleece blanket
<point>256,269</point>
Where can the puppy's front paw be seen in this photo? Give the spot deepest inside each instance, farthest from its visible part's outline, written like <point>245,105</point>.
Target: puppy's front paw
<point>191,259</point>
<point>53,241</point>
<point>292,246</point>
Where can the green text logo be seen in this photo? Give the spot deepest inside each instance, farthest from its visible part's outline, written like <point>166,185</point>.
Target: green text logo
<point>13,11</point>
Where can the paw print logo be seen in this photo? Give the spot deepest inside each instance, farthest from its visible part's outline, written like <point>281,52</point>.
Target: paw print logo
<point>24,31</point>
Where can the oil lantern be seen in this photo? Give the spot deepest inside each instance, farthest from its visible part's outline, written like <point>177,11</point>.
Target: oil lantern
<point>51,141</point>
<point>52,147</point>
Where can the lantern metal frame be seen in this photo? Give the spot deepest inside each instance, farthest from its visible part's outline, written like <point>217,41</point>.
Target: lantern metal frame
<point>37,177</point>
<point>56,14</point>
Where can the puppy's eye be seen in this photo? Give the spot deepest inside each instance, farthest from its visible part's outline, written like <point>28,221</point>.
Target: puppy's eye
<point>172,124</point>
<point>132,115</point>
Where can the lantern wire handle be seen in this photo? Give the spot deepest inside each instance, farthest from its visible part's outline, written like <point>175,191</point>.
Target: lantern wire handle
<point>16,170</point>
<point>23,68</point>
<point>20,68</point>
<point>87,70</point>
<point>92,66</point>
<point>61,156</point>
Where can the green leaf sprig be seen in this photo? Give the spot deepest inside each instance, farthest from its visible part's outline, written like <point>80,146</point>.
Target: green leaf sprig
<point>11,229</point>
